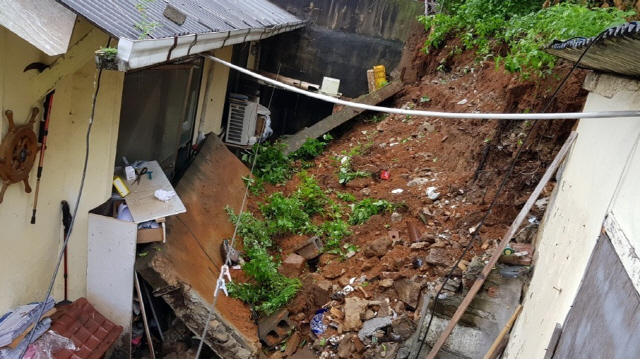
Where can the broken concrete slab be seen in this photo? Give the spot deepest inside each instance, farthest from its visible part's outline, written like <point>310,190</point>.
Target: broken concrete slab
<point>329,123</point>
<point>378,248</point>
<point>408,292</point>
<point>292,266</point>
<point>292,344</point>
<point>370,327</point>
<point>439,257</point>
<point>353,308</point>
<point>183,271</point>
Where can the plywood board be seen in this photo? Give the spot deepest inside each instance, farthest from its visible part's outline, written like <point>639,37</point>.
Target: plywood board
<point>110,267</point>
<point>603,321</point>
<point>144,206</point>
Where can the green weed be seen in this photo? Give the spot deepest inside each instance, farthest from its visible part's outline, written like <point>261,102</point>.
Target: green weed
<point>363,210</point>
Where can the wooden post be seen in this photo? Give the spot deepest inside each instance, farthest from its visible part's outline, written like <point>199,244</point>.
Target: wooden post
<point>503,244</point>
<point>496,344</point>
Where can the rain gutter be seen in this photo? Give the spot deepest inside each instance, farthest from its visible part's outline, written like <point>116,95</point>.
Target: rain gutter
<point>135,54</point>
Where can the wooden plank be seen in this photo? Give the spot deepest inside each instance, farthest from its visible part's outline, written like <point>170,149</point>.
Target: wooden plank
<point>78,54</point>
<point>503,244</point>
<point>44,24</point>
<point>603,321</point>
<point>553,342</point>
<point>329,123</point>
<point>494,350</point>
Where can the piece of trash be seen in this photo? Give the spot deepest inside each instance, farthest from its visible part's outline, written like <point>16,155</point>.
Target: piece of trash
<point>513,271</point>
<point>397,191</point>
<point>163,195</point>
<point>432,194</point>
<point>385,175</point>
<point>463,101</point>
<point>417,263</point>
<point>317,323</point>
<point>393,144</point>
<point>348,289</point>
<point>350,254</point>
<point>352,280</point>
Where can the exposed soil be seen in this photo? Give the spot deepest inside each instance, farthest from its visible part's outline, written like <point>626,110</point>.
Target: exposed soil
<point>464,159</point>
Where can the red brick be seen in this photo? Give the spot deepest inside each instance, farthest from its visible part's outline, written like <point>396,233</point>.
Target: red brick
<point>292,266</point>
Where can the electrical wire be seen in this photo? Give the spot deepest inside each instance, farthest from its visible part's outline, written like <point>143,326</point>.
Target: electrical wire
<point>456,115</point>
<point>75,210</point>
<point>499,190</point>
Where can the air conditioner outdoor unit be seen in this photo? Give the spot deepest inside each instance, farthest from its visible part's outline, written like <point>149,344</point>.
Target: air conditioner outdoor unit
<point>241,124</point>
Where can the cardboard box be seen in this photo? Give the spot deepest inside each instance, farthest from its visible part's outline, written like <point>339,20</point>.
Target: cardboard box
<point>148,235</point>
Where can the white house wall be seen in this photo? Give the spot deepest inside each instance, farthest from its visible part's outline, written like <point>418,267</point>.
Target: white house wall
<point>28,252</point>
<point>216,76</point>
<point>581,200</point>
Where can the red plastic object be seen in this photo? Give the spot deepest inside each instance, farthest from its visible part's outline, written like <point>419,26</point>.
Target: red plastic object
<point>385,175</point>
<point>88,329</point>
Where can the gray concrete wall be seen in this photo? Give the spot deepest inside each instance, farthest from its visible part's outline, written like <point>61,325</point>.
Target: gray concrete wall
<point>344,38</point>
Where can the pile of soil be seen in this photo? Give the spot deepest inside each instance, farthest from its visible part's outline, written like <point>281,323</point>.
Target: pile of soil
<point>465,160</point>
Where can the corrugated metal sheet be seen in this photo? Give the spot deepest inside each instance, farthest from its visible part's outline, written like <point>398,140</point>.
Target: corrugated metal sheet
<point>617,51</point>
<point>119,17</point>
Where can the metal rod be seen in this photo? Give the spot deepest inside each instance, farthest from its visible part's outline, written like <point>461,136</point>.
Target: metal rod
<point>47,117</point>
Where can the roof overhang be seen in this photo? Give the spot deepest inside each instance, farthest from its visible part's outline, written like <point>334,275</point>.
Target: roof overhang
<point>45,24</point>
<point>135,54</point>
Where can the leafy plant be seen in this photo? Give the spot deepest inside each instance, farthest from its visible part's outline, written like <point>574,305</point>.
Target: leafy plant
<point>363,210</point>
<point>346,172</point>
<point>269,289</point>
<point>108,53</point>
<point>312,148</point>
<point>145,24</point>
<point>286,215</point>
<point>271,165</point>
<point>345,196</point>
<point>309,192</point>
<point>521,24</point>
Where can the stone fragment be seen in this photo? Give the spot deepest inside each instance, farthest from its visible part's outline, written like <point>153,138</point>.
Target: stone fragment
<point>337,313</point>
<point>292,344</point>
<point>369,314</point>
<point>354,307</point>
<point>438,256</point>
<point>386,283</point>
<point>378,247</point>
<point>359,345</point>
<point>403,327</point>
<point>420,181</point>
<point>345,348</point>
<point>321,292</point>
<point>304,353</point>
<point>370,326</point>
<point>419,245</point>
<point>396,217</point>
<point>408,292</point>
<point>292,266</point>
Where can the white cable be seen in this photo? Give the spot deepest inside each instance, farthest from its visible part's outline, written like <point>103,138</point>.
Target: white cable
<point>477,116</point>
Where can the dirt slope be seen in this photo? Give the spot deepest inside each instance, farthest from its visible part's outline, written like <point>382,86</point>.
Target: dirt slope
<point>464,159</point>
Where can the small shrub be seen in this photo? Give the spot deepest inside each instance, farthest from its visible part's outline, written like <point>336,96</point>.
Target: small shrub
<point>272,165</point>
<point>345,196</point>
<point>285,215</point>
<point>309,192</point>
<point>363,210</point>
<point>312,148</point>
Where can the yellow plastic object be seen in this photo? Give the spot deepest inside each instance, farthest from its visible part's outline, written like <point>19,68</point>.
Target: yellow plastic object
<point>118,183</point>
<point>380,75</point>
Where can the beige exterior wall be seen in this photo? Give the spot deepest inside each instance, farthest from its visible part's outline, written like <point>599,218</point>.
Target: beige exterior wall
<point>211,108</point>
<point>603,165</point>
<point>28,252</point>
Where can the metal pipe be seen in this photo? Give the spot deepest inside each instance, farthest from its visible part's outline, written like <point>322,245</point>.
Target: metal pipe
<point>456,115</point>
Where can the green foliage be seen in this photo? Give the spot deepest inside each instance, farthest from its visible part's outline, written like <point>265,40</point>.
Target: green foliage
<point>309,192</point>
<point>286,215</point>
<point>345,196</point>
<point>272,165</point>
<point>363,210</point>
<point>334,231</point>
<point>145,24</point>
<point>108,53</point>
<point>269,290</point>
<point>311,148</point>
<point>346,172</point>
<point>523,25</point>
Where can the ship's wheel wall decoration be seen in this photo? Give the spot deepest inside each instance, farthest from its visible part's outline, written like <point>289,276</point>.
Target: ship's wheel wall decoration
<point>18,153</point>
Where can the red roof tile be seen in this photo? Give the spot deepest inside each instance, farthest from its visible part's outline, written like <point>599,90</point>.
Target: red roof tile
<point>88,329</point>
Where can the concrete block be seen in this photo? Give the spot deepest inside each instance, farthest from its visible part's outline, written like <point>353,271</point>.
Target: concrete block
<point>274,328</point>
<point>321,292</point>
<point>310,249</point>
<point>292,266</point>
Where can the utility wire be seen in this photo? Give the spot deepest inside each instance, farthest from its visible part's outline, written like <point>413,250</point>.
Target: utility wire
<point>75,210</point>
<point>499,191</point>
<point>457,115</point>
<point>233,240</point>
